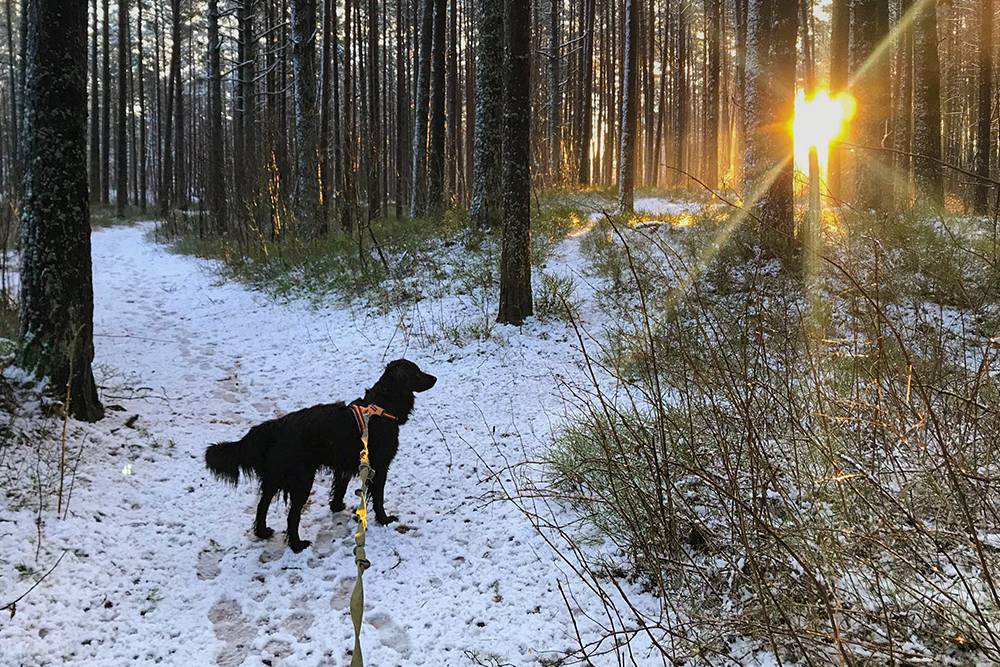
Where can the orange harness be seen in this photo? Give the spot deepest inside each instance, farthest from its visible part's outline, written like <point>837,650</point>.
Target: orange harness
<point>363,412</point>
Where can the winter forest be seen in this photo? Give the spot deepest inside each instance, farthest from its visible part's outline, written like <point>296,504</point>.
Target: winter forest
<point>541,332</point>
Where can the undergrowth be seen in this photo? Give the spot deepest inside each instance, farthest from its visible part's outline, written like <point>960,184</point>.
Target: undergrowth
<point>391,264</point>
<point>807,459</point>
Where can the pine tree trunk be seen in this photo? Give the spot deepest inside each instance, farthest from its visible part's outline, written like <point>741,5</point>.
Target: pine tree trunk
<point>927,174</point>
<point>840,33</point>
<point>402,105</point>
<point>180,198</point>
<point>985,111</point>
<point>57,296</point>
<point>626,161</point>
<point>710,173</point>
<point>871,27</point>
<point>435,158</point>
<point>326,83</point>
<point>106,106</point>
<point>418,204</point>
<point>488,140</point>
<point>143,129</point>
<point>453,114</point>
<point>903,135</point>
<point>555,98</point>
<point>586,94</point>
<point>121,142</point>
<point>771,32</point>
<point>216,156</point>
<point>95,109</point>
<point>304,90</point>
<point>374,118</point>
<point>515,259</point>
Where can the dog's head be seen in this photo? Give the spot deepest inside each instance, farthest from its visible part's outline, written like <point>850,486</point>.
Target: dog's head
<point>404,375</point>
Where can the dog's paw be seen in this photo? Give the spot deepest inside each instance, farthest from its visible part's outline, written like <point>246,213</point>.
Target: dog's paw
<point>264,533</point>
<point>298,545</point>
<point>337,506</point>
<point>386,519</point>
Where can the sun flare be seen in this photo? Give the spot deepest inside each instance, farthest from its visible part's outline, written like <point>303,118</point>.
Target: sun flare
<point>818,121</point>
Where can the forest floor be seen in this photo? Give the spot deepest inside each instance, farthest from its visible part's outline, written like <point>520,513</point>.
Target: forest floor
<point>155,562</point>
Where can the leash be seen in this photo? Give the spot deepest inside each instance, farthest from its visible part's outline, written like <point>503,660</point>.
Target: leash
<point>362,413</point>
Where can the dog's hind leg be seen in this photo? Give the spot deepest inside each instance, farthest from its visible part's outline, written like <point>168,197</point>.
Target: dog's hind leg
<point>341,480</point>
<point>298,498</point>
<point>260,528</point>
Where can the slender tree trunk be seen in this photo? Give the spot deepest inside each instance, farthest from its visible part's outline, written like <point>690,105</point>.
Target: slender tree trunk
<point>927,172</point>
<point>840,33</point>
<point>349,171</point>
<point>95,109</point>
<point>486,170</point>
<point>515,260</point>
<point>143,130</point>
<point>771,32</point>
<point>374,119</point>
<point>903,134</point>
<point>326,83</point>
<point>435,160</point>
<point>304,86</point>
<point>713,9</point>
<point>418,205</point>
<point>626,161</point>
<point>984,121</point>
<point>57,295</point>
<point>586,94</point>
<point>871,27</point>
<point>555,97</point>
<point>453,114</point>
<point>402,105</point>
<point>216,154</point>
<point>180,191</point>
<point>106,106</point>
<point>121,141</point>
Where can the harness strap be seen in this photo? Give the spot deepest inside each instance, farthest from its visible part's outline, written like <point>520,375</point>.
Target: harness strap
<point>362,413</point>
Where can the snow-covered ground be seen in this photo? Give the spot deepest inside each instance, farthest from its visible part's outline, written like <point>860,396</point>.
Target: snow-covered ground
<point>160,565</point>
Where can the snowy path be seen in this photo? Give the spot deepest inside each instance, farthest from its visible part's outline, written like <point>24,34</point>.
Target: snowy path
<point>162,567</point>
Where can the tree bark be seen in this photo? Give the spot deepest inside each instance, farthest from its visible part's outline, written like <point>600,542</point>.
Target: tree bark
<point>515,260</point>
<point>57,296</point>
<point>710,174</point>
<point>629,112</point>
<point>770,81</point>
<point>216,186</point>
<point>435,161</point>
<point>106,106</point>
<point>304,91</point>
<point>488,140</point>
<point>871,27</point>
<point>927,173</point>
<point>985,108</point>
<point>840,34</point>
<point>586,94</point>
<point>121,141</point>
<point>418,204</point>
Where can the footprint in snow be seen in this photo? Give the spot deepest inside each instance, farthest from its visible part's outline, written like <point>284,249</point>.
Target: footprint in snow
<point>234,630</point>
<point>390,633</point>
<point>208,561</point>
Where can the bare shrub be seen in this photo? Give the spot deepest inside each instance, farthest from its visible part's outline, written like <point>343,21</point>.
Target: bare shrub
<point>810,463</point>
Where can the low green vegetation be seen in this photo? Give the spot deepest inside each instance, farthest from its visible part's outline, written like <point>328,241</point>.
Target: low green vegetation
<point>803,458</point>
<point>387,263</point>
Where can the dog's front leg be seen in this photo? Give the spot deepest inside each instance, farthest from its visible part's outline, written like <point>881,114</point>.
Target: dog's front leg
<point>297,500</point>
<point>378,497</point>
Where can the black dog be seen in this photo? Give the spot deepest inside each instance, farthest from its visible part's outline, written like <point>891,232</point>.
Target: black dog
<point>285,453</point>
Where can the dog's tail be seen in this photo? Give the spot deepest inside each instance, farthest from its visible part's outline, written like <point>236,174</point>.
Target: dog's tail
<point>227,460</point>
